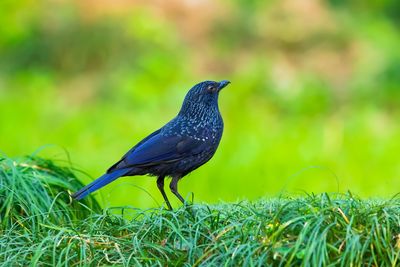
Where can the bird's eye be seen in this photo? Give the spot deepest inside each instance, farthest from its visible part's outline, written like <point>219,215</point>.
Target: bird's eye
<point>210,88</point>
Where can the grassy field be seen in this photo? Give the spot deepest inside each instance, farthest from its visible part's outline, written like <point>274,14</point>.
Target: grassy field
<point>40,225</point>
<point>313,107</point>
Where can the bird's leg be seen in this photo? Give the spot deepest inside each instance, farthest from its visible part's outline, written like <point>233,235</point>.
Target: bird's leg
<point>160,185</point>
<point>174,188</point>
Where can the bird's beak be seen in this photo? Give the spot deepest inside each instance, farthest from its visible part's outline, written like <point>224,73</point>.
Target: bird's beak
<point>222,84</point>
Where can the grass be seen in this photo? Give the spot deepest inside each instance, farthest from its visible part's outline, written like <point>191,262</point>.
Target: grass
<point>40,225</point>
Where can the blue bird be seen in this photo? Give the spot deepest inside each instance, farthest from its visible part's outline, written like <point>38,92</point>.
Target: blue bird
<point>182,145</point>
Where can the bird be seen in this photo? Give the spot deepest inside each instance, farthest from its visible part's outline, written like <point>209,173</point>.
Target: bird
<point>182,145</point>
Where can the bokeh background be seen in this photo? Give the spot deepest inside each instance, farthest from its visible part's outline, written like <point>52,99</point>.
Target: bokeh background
<point>313,105</point>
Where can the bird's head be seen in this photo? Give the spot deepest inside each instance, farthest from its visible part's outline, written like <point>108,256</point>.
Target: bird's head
<point>202,99</point>
<point>205,92</point>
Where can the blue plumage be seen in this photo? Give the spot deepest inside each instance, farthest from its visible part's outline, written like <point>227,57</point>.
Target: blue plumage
<point>99,183</point>
<point>182,145</point>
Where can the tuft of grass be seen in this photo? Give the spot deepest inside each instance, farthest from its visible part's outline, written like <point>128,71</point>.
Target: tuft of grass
<point>34,191</point>
<point>41,226</point>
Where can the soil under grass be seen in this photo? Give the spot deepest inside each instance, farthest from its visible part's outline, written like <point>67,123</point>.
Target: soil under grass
<point>41,225</point>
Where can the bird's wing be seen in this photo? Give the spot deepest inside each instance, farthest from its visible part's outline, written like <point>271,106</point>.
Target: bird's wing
<point>141,142</point>
<point>113,167</point>
<point>159,149</point>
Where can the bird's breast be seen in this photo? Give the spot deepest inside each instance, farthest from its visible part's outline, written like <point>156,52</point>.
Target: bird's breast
<point>207,131</point>
<point>204,129</point>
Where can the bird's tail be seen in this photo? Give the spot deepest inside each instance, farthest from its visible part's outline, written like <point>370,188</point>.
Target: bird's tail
<point>99,183</point>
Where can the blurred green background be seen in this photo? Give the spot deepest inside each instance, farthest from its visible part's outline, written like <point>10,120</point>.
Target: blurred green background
<point>313,104</point>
